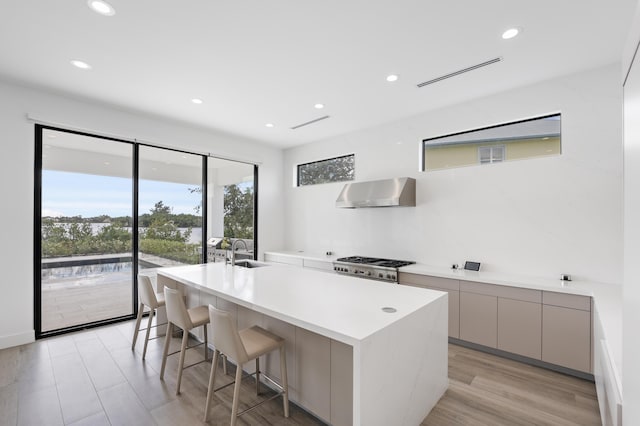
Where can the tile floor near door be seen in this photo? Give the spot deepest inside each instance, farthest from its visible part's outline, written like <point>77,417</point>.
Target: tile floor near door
<point>93,378</point>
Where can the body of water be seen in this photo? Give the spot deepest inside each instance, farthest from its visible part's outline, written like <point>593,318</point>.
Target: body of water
<point>194,238</point>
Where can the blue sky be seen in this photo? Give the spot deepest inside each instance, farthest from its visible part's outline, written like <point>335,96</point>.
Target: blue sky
<point>76,194</point>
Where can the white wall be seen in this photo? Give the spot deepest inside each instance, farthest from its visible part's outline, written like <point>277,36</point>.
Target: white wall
<point>17,177</point>
<point>538,217</point>
<point>631,289</point>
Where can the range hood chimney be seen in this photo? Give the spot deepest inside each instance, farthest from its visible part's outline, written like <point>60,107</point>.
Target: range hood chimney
<point>396,192</point>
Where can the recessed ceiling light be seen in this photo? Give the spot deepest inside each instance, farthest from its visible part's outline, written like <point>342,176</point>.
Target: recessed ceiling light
<point>510,33</point>
<point>269,125</point>
<point>392,77</point>
<point>318,106</point>
<point>101,7</point>
<point>80,64</point>
<point>106,163</point>
<point>196,101</point>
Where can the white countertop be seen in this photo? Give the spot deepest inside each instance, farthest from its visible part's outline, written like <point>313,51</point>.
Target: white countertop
<point>607,297</point>
<point>343,308</point>
<point>305,255</point>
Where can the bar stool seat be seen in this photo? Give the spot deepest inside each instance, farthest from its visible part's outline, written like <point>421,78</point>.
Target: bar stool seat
<point>244,346</point>
<point>149,298</point>
<point>187,319</point>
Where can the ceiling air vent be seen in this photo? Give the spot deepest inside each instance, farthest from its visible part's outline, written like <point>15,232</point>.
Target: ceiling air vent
<point>462,71</point>
<point>310,122</point>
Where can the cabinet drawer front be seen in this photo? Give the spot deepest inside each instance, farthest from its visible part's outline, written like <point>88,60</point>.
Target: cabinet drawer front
<point>428,281</point>
<point>524,294</point>
<point>289,260</point>
<point>566,300</point>
<point>318,264</point>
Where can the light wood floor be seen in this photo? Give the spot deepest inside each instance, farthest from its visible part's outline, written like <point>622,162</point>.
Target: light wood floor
<point>93,378</point>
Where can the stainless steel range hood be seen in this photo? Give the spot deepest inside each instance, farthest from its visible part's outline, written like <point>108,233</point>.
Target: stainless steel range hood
<point>396,192</point>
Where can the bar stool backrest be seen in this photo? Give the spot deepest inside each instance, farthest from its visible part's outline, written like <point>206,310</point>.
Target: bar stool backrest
<point>145,291</point>
<point>225,336</point>
<point>176,310</point>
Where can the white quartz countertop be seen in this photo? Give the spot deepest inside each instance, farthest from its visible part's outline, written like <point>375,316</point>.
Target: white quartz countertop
<point>583,288</point>
<point>322,257</point>
<point>607,297</point>
<point>339,307</point>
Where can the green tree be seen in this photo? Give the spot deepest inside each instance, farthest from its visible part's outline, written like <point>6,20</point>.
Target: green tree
<point>238,212</point>
<point>332,170</point>
<point>162,227</point>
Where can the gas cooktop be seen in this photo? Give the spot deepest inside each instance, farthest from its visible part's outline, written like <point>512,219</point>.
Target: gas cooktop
<point>370,267</point>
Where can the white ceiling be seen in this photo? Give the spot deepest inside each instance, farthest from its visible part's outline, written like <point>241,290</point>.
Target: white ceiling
<point>269,61</point>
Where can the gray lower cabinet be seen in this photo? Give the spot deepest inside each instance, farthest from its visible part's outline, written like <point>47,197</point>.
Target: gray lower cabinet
<point>341,384</point>
<point>479,319</point>
<point>313,372</point>
<point>543,325</point>
<point>520,327</point>
<point>566,337</point>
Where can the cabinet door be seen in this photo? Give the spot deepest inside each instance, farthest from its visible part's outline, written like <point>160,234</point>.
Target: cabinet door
<point>566,337</point>
<point>271,362</point>
<point>520,327</point>
<point>479,319</point>
<point>341,384</point>
<point>313,372</point>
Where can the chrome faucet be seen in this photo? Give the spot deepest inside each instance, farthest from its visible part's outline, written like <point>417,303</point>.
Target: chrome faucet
<point>233,250</point>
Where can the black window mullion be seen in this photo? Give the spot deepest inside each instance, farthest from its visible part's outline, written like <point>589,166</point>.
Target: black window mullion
<point>37,233</point>
<point>205,189</point>
<point>134,226</point>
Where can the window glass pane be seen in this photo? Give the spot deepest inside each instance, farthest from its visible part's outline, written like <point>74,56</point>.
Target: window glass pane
<point>86,238</point>
<point>230,208</point>
<point>332,170</point>
<point>538,137</point>
<point>169,208</point>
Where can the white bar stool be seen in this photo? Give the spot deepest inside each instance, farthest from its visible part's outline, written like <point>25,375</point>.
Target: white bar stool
<point>186,319</point>
<point>148,297</point>
<point>244,346</point>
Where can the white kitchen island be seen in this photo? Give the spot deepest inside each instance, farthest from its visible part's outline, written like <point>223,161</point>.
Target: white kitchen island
<point>349,362</point>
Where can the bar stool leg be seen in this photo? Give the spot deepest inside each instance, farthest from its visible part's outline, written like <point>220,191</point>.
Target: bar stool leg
<point>165,351</point>
<point>224,364</point>
<point>138,320</point>
<point>146,339</point>
<point>236,395</point>
<point>258,376</point>
<point>285,382</point>
<point>206,345</point>
<point>183,352</point>
<point>212,381</point>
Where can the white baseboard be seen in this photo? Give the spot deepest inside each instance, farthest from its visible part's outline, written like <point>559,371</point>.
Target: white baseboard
<point>17,339</point>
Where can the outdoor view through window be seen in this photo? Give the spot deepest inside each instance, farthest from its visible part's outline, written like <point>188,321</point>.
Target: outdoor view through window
<point>536,137</point>
<point>86,220</point>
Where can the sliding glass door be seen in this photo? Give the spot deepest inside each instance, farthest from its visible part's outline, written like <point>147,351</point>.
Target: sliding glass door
<point>86,240</point>
<point>107,209</point>
<point>231,201</point>
<point>170,208</point>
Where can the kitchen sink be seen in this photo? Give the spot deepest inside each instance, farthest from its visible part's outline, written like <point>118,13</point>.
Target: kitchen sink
<point>246,263</point>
